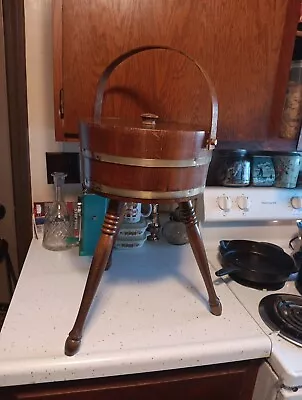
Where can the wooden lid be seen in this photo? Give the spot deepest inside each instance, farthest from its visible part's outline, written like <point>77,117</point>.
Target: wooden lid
<point>149,122</point>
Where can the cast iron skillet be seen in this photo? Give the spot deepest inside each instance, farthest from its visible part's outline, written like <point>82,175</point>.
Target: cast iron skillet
<point>257,262</point>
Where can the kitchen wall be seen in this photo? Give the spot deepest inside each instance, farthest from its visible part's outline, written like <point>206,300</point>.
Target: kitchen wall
<point>38,31</point>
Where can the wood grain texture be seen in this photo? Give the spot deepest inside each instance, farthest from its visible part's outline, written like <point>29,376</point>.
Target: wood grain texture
<point>238,43</point>
<point>226,381</point>
<point>168,141</point>
<point>189,218</point>
<point>162,142</point>
<point>147,179</point>
<point>113,219</point>
<point>57,24</point>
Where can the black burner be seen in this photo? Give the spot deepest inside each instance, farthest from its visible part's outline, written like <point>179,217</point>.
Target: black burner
<point>283,313</point>
<point>259,286</point>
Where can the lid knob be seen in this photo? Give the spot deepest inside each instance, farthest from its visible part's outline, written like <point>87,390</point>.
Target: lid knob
<point>149,119</point>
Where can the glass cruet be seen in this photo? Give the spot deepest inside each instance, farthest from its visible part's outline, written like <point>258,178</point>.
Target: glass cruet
<point>57,225</point>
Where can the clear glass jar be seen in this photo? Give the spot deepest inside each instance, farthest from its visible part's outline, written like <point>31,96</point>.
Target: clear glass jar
<point>57,225</point>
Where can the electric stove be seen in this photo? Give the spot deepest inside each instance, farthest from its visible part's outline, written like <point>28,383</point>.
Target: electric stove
<point>270,215</point>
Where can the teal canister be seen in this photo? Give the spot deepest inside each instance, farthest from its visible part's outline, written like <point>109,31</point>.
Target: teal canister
<point>287,167</point>
<point>263,170</point>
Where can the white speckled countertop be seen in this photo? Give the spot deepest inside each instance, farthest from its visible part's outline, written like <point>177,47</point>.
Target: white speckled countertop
<point>150,314</point>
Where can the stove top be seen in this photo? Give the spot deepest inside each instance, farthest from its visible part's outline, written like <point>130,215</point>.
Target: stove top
<point>286,357</point>
<point>283,314</point>
<point>268,217</point>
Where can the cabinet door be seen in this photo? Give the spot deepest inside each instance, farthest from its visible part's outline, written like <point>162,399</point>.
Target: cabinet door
<point>230,381</point>
<point>245,46</point>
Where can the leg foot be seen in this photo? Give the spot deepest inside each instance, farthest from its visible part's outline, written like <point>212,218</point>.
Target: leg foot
<point>72,346</point>
<point>189,218</point>
<point>216,309</point>
<point>102,253</point>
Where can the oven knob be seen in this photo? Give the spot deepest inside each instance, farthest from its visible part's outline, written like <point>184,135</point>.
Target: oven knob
<point>244,203</point>
<point>296,202</point>
<point>224,203</point>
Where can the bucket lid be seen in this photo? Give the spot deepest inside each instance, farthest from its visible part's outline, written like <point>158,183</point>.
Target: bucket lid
<point>148,122</point>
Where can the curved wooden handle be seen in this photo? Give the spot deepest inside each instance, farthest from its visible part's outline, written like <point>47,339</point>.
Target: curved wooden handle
<point>111,67</point>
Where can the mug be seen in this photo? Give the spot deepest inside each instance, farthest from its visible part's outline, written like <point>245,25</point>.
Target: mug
<point>134,213</point>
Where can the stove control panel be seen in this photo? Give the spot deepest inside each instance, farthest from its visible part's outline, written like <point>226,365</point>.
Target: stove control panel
<point>251,203</point>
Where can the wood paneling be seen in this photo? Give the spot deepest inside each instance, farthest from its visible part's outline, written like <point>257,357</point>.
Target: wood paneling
<point>226,381</point>
<point>240,44</point>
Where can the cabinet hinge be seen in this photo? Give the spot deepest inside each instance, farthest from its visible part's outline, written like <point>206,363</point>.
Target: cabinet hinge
<point>61,106</point>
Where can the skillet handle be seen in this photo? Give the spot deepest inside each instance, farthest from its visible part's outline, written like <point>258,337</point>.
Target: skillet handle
<point>227,270</point>
<point>223,246</point>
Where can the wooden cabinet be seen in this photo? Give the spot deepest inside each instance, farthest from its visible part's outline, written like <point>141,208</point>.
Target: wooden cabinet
<point>228,381</point>
<point>245,47</point>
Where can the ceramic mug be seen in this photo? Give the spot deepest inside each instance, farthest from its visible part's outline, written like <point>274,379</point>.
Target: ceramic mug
<point>134,213</point>
<point>287,167</point>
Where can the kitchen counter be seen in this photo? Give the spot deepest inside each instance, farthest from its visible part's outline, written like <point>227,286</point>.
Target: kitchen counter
<point>150,314</point>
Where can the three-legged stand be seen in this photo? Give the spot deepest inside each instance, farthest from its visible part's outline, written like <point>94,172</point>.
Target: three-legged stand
<point>110,229</point>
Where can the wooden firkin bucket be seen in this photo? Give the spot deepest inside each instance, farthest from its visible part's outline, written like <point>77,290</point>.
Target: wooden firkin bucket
<point>151,161</point>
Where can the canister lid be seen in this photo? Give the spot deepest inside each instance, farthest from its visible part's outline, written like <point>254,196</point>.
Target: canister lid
<point>296,64</point>
<point>230,152</point>
<point>285,153</point>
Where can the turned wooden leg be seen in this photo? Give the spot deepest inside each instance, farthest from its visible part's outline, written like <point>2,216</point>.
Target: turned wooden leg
<point>188,216</point>
<point>109,262</point>
<point>102,253</point>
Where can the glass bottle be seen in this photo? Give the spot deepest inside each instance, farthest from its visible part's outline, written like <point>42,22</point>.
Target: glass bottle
<point>57,225</point>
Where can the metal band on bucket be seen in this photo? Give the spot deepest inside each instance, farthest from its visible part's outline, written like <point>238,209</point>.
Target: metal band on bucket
<point>143,194</point>
<point>149,162</point>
